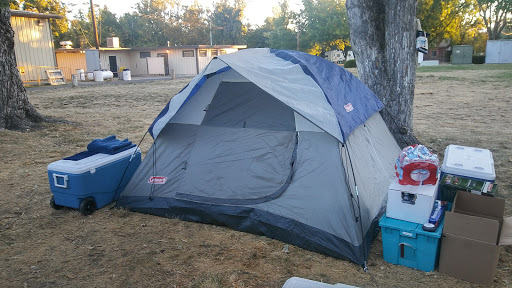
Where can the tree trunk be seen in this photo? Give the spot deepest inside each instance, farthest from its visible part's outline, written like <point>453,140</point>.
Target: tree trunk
<point>16,112</point>
<point>383,38</point>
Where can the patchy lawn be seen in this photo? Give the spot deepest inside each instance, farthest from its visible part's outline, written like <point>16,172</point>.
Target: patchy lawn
<point>41,247</point>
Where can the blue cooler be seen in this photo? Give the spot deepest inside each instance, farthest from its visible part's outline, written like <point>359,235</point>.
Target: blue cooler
<point>92,182</point>
<point>407,244</point>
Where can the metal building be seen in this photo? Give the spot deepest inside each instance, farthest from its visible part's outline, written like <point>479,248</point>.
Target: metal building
<point>462,54</point>
<point>498,51</point>
<point>33,44</point>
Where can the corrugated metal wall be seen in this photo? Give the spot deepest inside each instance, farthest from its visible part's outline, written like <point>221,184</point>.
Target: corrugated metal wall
<point>68,62</point>
<point>498,51</point>
<point>182,66</point>
<point>33,45</point>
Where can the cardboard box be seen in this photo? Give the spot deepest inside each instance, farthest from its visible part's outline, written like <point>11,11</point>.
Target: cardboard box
<point>472,236</point>
<point>410,203</point>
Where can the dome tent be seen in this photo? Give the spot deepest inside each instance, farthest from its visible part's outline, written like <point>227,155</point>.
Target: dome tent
<point>272,142</point>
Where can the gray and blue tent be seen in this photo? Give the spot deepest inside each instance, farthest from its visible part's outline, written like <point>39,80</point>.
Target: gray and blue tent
<point>272,142</point>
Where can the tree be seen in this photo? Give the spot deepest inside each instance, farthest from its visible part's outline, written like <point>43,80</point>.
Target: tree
<point>258,37</point>
<point>227,21</point>
<point>16,112</point>
<point>108,26</point>
<point>495,14</point>
<point>383,38</point>
<point>448,19</point>
<point>195,26</point>
<point>326,26</point>
<point>280,35</point>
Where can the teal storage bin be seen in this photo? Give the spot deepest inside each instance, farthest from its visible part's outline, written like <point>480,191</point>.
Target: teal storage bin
<point>407,244</point>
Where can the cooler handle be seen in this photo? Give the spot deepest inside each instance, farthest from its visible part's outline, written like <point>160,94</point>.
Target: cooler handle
<point>402,250</point>
<point>63,177</point>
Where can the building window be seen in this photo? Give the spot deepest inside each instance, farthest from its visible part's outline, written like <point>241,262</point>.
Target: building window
<point>434,53</point>
<point>145,55</point>
<point>188,53</point>
<point>202,53</point>
<point>222,52</point>
<point>215,52</point>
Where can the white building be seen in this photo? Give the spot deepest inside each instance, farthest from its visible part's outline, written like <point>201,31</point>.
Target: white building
<point>183,61</point>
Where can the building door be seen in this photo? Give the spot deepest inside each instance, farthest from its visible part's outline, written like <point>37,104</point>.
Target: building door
<point>166,62</point>
<point>112,60</point>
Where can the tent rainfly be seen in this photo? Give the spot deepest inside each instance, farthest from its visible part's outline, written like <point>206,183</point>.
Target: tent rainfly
<point>272,142</point>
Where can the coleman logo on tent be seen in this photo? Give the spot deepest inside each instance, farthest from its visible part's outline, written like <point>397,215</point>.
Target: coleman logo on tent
<point>157,180</point>
<point>349,107</point>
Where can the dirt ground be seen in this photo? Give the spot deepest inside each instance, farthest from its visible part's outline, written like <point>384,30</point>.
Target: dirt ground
<point>42,247</point>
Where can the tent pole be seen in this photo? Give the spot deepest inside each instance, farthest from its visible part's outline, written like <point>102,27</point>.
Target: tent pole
<point>365,267</point>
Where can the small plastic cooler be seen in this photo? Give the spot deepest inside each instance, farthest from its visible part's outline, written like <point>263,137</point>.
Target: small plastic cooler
<point>407,244</point>
<point>101,177</point>
<point>469,162</point>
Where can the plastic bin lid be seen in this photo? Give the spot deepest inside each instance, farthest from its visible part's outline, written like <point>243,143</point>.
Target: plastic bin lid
<point>91,162</point>
<point>410,226</point>
<point>397,224</point>
<point>469,161</point>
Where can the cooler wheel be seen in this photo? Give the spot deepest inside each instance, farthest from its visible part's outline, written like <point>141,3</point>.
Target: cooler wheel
<point>87,206</point>
<point>53,205</point>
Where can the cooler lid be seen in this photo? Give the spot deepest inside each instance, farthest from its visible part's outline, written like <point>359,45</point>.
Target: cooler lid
<point>91,162</point>
<point>426,190</point>
<point>469,161</point>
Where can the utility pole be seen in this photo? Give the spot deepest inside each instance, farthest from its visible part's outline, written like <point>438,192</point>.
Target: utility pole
<point>298,40</point>
<point>211,40</point>
<point>93,17</point>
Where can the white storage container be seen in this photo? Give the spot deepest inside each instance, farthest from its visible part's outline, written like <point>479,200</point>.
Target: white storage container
<point>411,203</point>
<point>80,74</point>
<point>98,76</point>
<point>296,282</point>
<point>108,75</point>
<point>470,162</point>
<point>127,76</point>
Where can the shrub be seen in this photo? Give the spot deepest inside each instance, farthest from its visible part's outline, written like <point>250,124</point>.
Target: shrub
<point>350,64</point>
<point>478,59</point>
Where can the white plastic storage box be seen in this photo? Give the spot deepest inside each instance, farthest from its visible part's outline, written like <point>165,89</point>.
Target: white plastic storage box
<point>296,282</point>
<point>469,162</point>
<point>411,203</point>
<point>95,181</point>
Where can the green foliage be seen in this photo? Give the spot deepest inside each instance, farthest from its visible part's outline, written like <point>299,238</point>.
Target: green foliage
<point>13,4</point>
<point>59,26</point>
<point>478,59</point>
<point>276,32</point>
<point>325,25</point>
<point>448,68</point>
<point>449,19</point>
<point>195,25</point>
<point>350,64</point>
<point>227,22</point>
<point>494,14</point>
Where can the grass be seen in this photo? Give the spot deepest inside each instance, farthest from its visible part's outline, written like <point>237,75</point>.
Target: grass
<point>479,67</point>
<point>42,247</point>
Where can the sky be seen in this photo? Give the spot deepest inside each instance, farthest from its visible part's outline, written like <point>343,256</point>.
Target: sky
<point>256,11</point>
